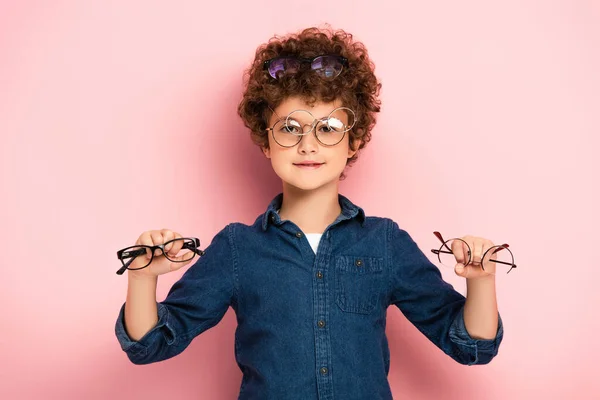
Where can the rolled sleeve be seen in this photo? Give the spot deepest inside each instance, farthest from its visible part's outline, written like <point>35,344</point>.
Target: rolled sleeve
<point>431,304</point>
<point>138,350</point>
<point>474,351</point>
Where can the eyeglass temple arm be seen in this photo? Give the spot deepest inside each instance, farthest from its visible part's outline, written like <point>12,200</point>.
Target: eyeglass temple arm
<point>194,247</point>
<point>133,253</point>
<point>439,236</point>
<point>124,267</point>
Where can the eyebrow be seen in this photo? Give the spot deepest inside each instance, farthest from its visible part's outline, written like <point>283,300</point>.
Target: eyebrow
<point>296,119</point>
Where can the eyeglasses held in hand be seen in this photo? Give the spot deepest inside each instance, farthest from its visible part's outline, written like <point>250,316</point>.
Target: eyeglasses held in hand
<point>327,66</point>
<point>499,254</point>
<point>128,254</point>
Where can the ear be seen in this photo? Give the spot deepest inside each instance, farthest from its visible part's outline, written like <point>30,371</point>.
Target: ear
<point>351,152</point>
<point>267,152</point>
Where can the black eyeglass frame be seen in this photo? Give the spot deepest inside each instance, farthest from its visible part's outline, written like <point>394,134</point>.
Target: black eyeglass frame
<point>500,247</point>
<point>303,60</point>
<point>190,243</point>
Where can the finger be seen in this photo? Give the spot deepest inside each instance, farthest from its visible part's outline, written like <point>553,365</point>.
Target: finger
<point>156,240</point>
<point>468,249</point>
<point>177,245</point>
<point>145,239</point>
<point>458,251</point>
<point>167,235</point>
<point>462,270</point>
<point>467,271</point>
<point>185,256</point>
<point>176,265</point>
<point>477,251</point>
<point>467,252</point>
<point>487,256</point>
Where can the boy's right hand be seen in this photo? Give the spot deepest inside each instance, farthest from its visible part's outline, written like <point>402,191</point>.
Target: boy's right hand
<point>160,264</point>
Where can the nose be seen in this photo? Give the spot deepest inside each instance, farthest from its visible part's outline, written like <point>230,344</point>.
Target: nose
<point>308,142</point>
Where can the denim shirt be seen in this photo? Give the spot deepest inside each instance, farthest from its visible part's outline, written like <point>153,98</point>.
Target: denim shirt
<point>311,326</point>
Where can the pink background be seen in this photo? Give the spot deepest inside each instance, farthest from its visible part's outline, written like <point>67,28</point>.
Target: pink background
<point>119,117</point>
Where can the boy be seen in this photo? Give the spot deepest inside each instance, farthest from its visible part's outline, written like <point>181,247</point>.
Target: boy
<point>311,279</point>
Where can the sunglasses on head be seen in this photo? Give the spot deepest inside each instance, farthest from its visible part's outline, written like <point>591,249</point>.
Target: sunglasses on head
<point>327,66</point>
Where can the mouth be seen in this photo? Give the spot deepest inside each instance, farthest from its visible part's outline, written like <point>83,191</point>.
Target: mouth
<point>309,165</point>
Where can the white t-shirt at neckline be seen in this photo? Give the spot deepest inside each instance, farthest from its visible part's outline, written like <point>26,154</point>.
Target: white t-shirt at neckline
<point>314,239</point>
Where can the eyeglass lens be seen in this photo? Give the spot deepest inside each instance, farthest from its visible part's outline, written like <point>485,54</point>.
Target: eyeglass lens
<point>326,66</point>
<point>329,130</point>
<point>495,261</point>
<point>138,251</point>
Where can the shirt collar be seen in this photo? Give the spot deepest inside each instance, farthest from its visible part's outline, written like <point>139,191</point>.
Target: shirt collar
<point>349,211</point>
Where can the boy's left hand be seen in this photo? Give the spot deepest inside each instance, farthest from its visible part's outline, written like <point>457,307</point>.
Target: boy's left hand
<point>474,269</point>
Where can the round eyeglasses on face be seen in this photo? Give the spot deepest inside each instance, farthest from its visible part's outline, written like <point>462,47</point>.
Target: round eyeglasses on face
<point>327,66</point>
<point>329,131</point>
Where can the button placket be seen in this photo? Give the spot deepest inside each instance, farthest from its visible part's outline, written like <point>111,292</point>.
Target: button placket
<point>321,313</point>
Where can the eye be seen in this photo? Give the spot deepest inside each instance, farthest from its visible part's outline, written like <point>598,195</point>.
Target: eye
<point>333,125</point>
<point>291,127</point>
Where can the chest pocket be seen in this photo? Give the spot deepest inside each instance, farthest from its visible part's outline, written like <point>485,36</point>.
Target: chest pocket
<point>358,283</point>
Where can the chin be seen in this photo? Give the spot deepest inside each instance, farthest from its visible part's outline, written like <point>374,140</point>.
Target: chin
<point>307,182</point>
<point>306,186</point>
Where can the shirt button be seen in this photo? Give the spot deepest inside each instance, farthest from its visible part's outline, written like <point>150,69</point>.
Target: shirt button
<point>321,323</point>
<point>319,275</point>
<point>359,263</point>
<point>324,371</point>
<point>299,234</point>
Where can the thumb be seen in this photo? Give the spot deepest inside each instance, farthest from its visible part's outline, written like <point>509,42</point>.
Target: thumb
<point>460,269</point>
<point>179,261</point>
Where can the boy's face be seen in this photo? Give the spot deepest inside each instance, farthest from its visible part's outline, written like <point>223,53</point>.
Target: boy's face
<point>285,159</point>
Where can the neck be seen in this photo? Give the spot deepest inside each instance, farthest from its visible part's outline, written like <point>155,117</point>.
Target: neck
<point>312,210</point>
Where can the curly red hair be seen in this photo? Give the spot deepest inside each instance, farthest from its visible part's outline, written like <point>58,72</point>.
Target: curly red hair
<point>356,86</point>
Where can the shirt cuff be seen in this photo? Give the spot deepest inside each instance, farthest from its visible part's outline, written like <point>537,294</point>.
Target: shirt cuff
<point>137,350</point>
<point>477,351</point>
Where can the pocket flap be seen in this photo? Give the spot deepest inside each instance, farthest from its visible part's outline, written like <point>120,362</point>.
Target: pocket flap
<point>359,264</point>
